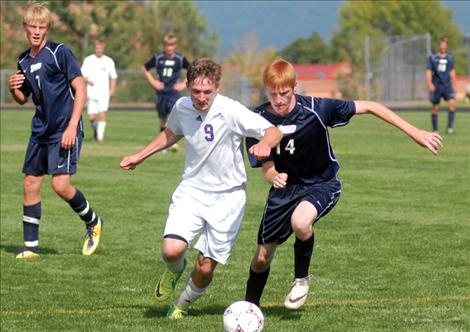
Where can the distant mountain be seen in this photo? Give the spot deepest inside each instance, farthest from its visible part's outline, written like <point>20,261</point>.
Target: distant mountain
<point>278,23</point>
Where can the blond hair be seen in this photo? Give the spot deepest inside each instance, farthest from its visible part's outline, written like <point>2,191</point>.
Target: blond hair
<point>39,13</point>
<point>279,74</point>
<point>170,39</point>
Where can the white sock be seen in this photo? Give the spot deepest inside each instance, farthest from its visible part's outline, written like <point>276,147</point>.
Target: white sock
<point>100,128</point>
<point>176,267</point>
<point>190,294</point>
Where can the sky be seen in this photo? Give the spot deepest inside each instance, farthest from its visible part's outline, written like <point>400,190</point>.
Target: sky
<point>278,23</point>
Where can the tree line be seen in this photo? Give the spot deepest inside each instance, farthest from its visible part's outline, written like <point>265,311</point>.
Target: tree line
<point>133,31</point>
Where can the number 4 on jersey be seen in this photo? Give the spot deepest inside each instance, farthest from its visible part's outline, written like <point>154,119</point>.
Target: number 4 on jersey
<point>290,146</point>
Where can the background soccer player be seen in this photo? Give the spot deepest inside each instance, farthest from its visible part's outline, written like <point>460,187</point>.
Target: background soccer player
<point>50,73</point>
<point>168,65</point>
<point>303,172</point>
<point>100,74</point>
<point>440,76</point>
<point>211,197</point>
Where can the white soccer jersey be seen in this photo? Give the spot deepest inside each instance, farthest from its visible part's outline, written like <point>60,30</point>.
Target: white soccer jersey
<point>214,141</point>
<point>100,71</point>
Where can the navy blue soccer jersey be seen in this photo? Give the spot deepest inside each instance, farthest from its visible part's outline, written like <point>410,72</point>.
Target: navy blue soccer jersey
<point>305,152</point>
<point>48,77</point>
<point>168,69</point>
<point>440,68</point>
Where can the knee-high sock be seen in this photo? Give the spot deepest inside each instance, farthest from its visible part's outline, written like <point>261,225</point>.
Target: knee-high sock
<point>31,217</point>
<point>82,207</point>
<point>303,251</point>
<point>190,294</point>
<point>255,286</point>
<point>100,129</point>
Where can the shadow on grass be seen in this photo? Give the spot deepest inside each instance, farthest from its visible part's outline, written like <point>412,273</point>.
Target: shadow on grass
<point>279,311</point>
<point>14,249</point>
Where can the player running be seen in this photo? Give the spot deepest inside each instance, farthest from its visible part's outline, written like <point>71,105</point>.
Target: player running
<point>211,197</point>
<point>303,172</point>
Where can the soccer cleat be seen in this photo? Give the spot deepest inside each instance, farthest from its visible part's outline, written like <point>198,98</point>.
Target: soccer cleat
<point>175,312</point>
<point>25,253</point>
<point>92,238</point>
<point>450,131</point>
<point>298,293</point>
<point>167,283</point>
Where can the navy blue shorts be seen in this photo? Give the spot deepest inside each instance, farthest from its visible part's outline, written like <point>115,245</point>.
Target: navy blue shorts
<point>165,103</point>
<point>442,91</point>
<point>51,158</point>
<point>276,221</point>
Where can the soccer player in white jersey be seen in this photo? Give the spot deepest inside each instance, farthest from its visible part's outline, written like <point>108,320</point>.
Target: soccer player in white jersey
<point>100,74</point>
<point>211,197</point>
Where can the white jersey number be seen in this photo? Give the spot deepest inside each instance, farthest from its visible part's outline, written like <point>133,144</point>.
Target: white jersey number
<point>167,72</point>
<point>290,146</point>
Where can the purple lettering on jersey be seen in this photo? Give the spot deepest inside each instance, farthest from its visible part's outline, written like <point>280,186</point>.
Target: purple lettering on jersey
<point>209,130</point>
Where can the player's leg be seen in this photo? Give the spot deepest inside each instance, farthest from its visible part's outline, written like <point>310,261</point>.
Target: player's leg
<point>33,168</point>
<point>259,272</point>
<point>435,99</point>
<point>195,287</point>
<point>61,165</point>
<point>31,215</point>
<point>92,109</point>
<point>176,239</point>
<point>451,116</point>
<point>101,125</point>
<point>302,224</point>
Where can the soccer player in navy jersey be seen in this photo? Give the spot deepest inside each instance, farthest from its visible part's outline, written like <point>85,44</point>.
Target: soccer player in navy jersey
<point>49,72</point>
<point>440,77</point>
<point>303,172</point>
<point>168,65</point>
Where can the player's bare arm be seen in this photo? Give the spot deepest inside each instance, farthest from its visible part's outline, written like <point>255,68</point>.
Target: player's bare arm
<point>162,141</point>
<point>272,137</point>
<point>157,85</point>
<point>15,82</point>
<point>112,87</point>
<point>429,140</point>
<point>68,137</point>
<point>431,86</point>
<point>271,175</point>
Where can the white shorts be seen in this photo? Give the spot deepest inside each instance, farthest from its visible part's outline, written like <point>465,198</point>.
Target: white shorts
<point>216,215</point>
<point>94,106</point>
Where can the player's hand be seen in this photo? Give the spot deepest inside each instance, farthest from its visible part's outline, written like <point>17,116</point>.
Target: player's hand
<point>260,151</point>
<point>431,141</point>
<point>432,87</point>
<point>280,181</point>
<point>130,162</point>
<point>90,82</point>
<point>68,138</point>
<point>179,86</point>
<point>158,85</point>
<point>16,80</point>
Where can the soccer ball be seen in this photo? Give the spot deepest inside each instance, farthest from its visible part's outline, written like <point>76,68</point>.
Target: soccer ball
<point>243,316</point>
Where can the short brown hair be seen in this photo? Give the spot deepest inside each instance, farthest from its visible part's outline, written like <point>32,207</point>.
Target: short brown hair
<point>206,68</point>
<point>279,74</point>
<point>443,39</point>
<point>170,38</point>
<point>37,12</point>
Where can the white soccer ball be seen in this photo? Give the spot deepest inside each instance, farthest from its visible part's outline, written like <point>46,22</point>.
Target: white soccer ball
<point>243,316</point>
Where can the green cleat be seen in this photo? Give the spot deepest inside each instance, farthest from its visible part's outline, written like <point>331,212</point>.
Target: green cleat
<point>167,283</point>
<point>92,238</point>
<point>27,254</point>
<point>175,312</point>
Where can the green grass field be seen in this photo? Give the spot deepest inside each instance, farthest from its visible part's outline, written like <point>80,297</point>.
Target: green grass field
<point>394,255</point>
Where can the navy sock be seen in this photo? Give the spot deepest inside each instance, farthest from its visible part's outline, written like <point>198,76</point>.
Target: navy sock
<point>302,254</point>
<point>450,122</point>
<point>82,207</point>
<point>434,122</point>
<point>255,286</point>
<point>31,217</point>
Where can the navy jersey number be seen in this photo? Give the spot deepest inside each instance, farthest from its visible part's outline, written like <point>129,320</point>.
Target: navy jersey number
<point>209,130</point>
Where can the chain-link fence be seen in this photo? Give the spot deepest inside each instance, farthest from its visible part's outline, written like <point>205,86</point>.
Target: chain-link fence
<point>395,67</point>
